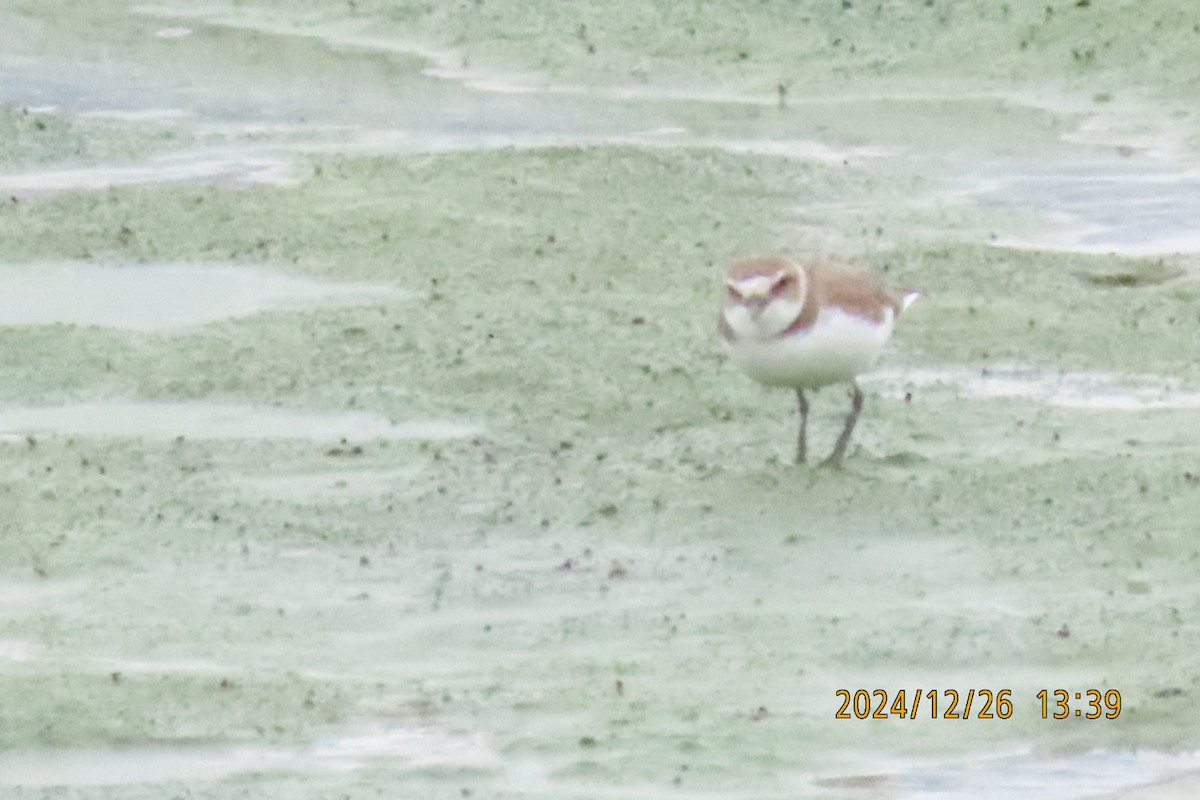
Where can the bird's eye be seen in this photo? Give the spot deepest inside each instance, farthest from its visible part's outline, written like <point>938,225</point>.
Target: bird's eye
<point>731,295</point>
<point>782,284</point>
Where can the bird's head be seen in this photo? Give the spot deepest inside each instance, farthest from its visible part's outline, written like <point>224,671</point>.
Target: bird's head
<point>763,296</point>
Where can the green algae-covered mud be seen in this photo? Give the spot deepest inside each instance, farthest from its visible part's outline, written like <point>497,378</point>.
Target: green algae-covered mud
<point>364,428</point>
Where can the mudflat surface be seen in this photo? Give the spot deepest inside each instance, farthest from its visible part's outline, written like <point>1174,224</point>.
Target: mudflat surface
<point>364,427</point>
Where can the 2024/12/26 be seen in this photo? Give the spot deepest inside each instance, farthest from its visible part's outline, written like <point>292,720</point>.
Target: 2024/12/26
<point>986,703</point>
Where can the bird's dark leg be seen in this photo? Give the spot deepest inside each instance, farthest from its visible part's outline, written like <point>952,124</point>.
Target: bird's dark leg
<point>802,440</point>
<point>839,449</point>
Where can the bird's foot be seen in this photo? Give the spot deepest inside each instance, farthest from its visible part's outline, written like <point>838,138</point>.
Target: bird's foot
<point>833,462</point>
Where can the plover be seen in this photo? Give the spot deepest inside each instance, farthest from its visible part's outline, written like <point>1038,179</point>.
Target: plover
<point>804,323</point>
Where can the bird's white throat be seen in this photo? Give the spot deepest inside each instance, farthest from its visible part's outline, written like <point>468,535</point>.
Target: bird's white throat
<point>772,320</point>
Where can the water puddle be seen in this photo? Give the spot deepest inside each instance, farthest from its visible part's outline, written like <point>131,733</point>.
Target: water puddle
<point>134,115</point>
<point>222,166</point>
<point>176,32</point>
<point>422,747</point>
<point>17,650</point>
<point>18,597</point>
<point>202,420</point>
<point>400,747</point>
<point>228,65</point>
<point>1134,209</point>
<point>227,71</point>
<point>1096,391</point>
<point>1016,777</point>
<point>163,296</point>
<point>999,777</point>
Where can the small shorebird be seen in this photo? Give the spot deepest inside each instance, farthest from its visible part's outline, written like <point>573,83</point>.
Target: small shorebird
<point>807,323</point>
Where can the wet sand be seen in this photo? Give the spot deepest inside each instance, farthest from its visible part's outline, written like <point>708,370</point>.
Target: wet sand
<point>425,472</point>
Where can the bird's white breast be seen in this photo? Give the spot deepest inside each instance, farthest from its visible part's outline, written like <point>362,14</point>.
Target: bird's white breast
<point>837,348</point>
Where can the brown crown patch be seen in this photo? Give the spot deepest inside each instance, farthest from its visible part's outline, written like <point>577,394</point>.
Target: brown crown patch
<point>758,267</point>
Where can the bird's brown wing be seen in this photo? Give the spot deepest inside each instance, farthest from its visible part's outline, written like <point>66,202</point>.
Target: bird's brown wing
<point>855,291</point>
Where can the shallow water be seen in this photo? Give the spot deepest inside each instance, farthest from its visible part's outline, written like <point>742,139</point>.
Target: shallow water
<point>1134,206</point>
<point>1096,391</point>
<point>1001,776</point>
<point>210,420</point>
<point>225,166</point>
<point>1087,199</point>
<point>1010,776</point>
<point>414,748</point>
<point>382,105</point>
<point>164,296</point>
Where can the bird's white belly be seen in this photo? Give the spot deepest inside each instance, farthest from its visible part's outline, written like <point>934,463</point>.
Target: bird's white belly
<point>836,349</point>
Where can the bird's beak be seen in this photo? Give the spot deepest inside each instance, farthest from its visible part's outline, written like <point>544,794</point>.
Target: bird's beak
<point>755,304</point>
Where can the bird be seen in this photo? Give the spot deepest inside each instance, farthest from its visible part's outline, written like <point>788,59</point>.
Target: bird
<point>805,322</point>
